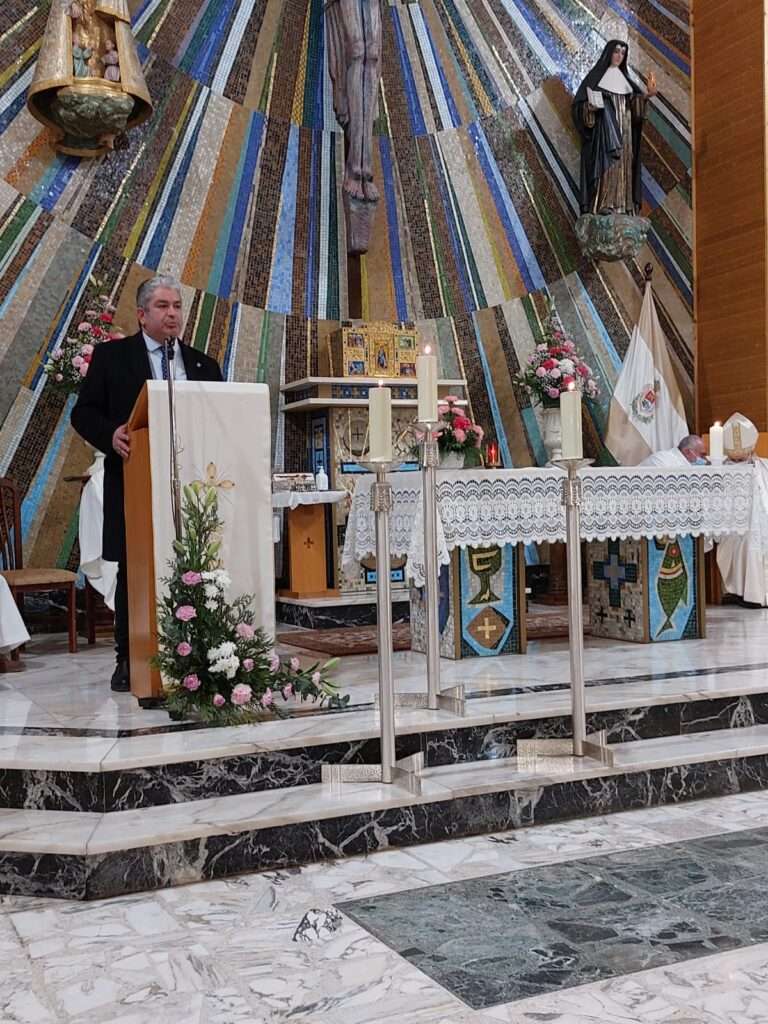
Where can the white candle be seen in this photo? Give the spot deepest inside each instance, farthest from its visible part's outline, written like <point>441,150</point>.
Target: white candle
<point>426,375</point>
<point>716,442</point>
<point>380,424</point>
<point>570,420</point>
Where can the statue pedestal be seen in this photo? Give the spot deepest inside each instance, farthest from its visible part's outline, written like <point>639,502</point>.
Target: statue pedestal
<point>611,237</point>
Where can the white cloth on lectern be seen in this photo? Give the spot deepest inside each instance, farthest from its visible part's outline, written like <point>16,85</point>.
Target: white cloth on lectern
<point>671,458</point>
<point>223,434</point>
<point>13,632</point>
<point>101,574</point>
<point>741,562</point>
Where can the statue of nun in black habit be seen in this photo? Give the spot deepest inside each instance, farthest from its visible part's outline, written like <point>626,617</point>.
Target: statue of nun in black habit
<point>609,110</point>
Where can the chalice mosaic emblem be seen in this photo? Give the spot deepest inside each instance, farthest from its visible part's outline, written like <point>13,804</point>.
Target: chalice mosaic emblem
<point>484,563</point>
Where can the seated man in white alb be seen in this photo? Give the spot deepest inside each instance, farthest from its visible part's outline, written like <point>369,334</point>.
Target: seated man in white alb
<point>13,632</point>
<point>740,559</point>
<point>690,451</point>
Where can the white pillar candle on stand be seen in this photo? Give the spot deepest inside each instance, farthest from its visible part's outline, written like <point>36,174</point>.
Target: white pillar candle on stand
<point>379,424</point>
<point>716,442</point>
<point>570,423</point>
<point>426,376</point>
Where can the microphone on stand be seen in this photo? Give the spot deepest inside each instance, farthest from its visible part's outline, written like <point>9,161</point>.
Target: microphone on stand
<point>169,349</point>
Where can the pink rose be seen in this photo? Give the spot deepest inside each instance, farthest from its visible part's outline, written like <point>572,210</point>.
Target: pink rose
<point>244,631</point>
<point>459,435</point>
<point>191,579</point>
<point>218,700</point>
<point>184,649</point>
<point>77,362</point>
<point>316,678</point>
<point>83,369</point>
<point>248,664</point>
<point>191,682</point>
<point>267,699</point>
<point>241,694</point>
<point>553,392</point>
<point>59,377</point>
<point>287,691</point>
<point>555,373</point>
<point>185,613</point>
<point>295,664</point>
<point>274,663</point>
<point>86,350</point>
<point>84,327</point>
<point>541,372</point>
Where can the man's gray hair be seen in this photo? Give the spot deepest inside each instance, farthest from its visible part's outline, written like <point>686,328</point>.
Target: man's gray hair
<point>689,441</point>
<point>148,288</point>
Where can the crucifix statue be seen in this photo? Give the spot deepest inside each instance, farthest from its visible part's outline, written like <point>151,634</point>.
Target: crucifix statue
<point>354,64</point>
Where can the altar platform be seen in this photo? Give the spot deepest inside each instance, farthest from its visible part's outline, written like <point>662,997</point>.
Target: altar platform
<point>101,798</point>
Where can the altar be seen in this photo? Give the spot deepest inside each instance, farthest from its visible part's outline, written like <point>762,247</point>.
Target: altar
<point>644,529</point>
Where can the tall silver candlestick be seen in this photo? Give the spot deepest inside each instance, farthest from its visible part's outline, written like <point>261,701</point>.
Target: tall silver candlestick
<point>406,771</point>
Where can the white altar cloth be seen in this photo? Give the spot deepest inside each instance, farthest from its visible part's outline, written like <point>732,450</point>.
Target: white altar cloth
<point>480,508</point>
<point>13,632</point>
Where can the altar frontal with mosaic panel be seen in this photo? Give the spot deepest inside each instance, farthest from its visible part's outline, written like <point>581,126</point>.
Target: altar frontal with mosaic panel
<point>482,604</point>
<point>648,590</point>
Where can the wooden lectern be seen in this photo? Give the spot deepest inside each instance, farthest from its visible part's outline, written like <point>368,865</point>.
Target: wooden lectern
<point>223,439</point>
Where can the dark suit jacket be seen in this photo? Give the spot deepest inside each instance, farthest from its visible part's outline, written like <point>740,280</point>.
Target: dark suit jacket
<point>109,391</point>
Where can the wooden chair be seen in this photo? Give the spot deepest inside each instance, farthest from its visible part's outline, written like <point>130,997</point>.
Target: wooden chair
<point>29,581</point>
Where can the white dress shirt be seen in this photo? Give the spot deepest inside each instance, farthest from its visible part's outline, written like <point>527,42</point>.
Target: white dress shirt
<point>155,353</point>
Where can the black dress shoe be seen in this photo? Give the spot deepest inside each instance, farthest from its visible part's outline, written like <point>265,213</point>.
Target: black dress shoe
<point>121,678</point>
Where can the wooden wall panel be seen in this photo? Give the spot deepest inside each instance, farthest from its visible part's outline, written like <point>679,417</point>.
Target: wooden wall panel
<point>729,138</point>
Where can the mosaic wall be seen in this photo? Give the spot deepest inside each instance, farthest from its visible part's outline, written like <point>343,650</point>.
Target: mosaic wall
<point>234,187</point>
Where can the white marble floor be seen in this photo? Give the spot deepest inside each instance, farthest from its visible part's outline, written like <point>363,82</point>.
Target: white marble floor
<point>55,690</point>
<point>234,951</point>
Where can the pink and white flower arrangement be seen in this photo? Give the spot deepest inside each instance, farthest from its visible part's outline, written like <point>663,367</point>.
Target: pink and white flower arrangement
<point>456,432</point>
<point>217,665</point>
<point>68,365</point>
<point>555,366</point>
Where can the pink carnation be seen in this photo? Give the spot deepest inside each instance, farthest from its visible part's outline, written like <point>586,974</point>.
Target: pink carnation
<point>316,678</point>
<point>460,435</point>
<point>191,579</point>
<point>248,664</point>
<point>84,327</point>
<point>218,700</point>
<point>244,631</point>
<point>274,663</point>
<point>86,350</point>
<point>267,699</point>
<point>57,354</point>
<point>77,362</point>
<point>241,694</point>
<point>185,613</point>
<point>83,369</point>
<point>541,372</point>
<point>191,682</point>
<point>553,392</point>
<point>287,691</point>
<point>184,649</point>
<point>295,664</point>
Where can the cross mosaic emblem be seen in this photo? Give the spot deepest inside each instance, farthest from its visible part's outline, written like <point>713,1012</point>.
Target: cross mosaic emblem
<point>615,572</point>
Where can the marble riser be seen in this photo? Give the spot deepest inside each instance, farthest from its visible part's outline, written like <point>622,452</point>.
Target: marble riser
<point>116,872</point>
<point>186,781</point>
<point>337,615</point>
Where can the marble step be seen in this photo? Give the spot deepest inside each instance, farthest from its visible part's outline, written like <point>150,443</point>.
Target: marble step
<point>91,856</point>
<point>101,774</point>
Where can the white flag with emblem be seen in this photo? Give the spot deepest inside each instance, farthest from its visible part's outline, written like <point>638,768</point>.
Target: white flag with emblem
<point>647,413</point>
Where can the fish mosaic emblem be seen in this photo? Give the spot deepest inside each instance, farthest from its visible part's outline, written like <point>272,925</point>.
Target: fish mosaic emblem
<point>672,581</point>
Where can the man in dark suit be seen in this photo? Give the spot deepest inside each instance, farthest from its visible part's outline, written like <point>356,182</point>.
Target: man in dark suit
<point>114,380</point>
